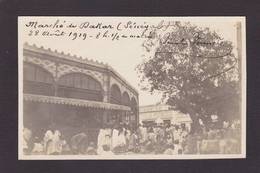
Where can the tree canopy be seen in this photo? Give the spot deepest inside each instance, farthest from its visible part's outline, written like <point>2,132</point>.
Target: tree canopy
<point>195,69</point>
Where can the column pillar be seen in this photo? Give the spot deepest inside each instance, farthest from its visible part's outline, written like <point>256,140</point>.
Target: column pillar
<point>106,88</point>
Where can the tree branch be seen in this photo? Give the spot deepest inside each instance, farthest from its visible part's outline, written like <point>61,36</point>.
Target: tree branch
<point>218,74</point>
<point>214,57</point>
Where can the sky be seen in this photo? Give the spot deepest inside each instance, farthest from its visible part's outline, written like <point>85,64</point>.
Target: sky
<point>123,54</point>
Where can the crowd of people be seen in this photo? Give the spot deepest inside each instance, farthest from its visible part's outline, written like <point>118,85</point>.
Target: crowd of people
<point>122,139</point>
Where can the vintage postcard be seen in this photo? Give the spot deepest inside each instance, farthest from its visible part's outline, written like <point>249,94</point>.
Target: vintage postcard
<point>131,88</point>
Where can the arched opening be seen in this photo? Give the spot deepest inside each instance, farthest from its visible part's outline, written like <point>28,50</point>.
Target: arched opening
<point>115,96</point>
<point>37,80</point>
<point>134,110</point>
<point>126,99</point>
<point>80,86</point>
<point>133,103</point>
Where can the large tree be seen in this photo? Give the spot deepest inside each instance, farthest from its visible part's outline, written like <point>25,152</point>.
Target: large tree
<point>194,68</point>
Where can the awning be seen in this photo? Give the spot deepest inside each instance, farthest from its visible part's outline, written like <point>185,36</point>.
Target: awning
<point>74,102</point>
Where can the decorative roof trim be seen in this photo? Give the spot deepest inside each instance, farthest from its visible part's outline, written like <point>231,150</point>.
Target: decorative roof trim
<point>62,55</point>
<point>74,102</point>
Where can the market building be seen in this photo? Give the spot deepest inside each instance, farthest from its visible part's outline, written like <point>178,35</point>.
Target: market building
<point>163,114</point>
<point>71,92</point>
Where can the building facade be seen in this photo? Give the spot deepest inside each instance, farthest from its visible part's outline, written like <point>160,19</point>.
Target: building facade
<point>71,92</point>
<point>162,114</point>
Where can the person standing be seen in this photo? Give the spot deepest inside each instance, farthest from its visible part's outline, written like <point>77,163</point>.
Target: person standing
<point>127,136</point>
<point>133,142</point>
<point>27,141</point>
<point>120,143</point>
<point>151,141</point>
<point>114,140</point>
<point>108,135</point>
<point>100,140</point>
<point>160,139</point>
<point>57,142</point>
<point>52,142</point>
<point>48,144</point>
<point>142,133</point>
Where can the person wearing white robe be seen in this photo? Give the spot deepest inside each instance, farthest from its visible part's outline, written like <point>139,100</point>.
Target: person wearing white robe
<point>114,138</point>
<point>47,142</point>
<point>51,142</point>
<point>143,134</point>
<point>119,142</point>
<point>57,142</point>
<point>100,141</point>
<point>27,134</point>
<point>108,134</point>
<point>121,139</point>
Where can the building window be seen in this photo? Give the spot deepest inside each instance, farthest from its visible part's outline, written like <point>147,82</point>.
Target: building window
<point>81,86</point>
<point>126,99</point>
<point>115,95</point>
<point>36,74</point>
<point>37,80</point>
<point>81,81</point>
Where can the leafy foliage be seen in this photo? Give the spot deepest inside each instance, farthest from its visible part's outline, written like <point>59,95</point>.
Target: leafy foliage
<point>194,68</point>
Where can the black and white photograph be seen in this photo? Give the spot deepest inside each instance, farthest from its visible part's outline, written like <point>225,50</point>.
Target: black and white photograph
<point>106,88</point>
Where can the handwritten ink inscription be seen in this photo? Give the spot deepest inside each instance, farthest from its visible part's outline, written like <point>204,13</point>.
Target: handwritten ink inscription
<point>115,31</point>
<point>89,30</point>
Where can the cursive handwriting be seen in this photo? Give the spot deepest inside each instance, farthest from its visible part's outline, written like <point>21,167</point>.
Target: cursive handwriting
<point>197,39</point>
